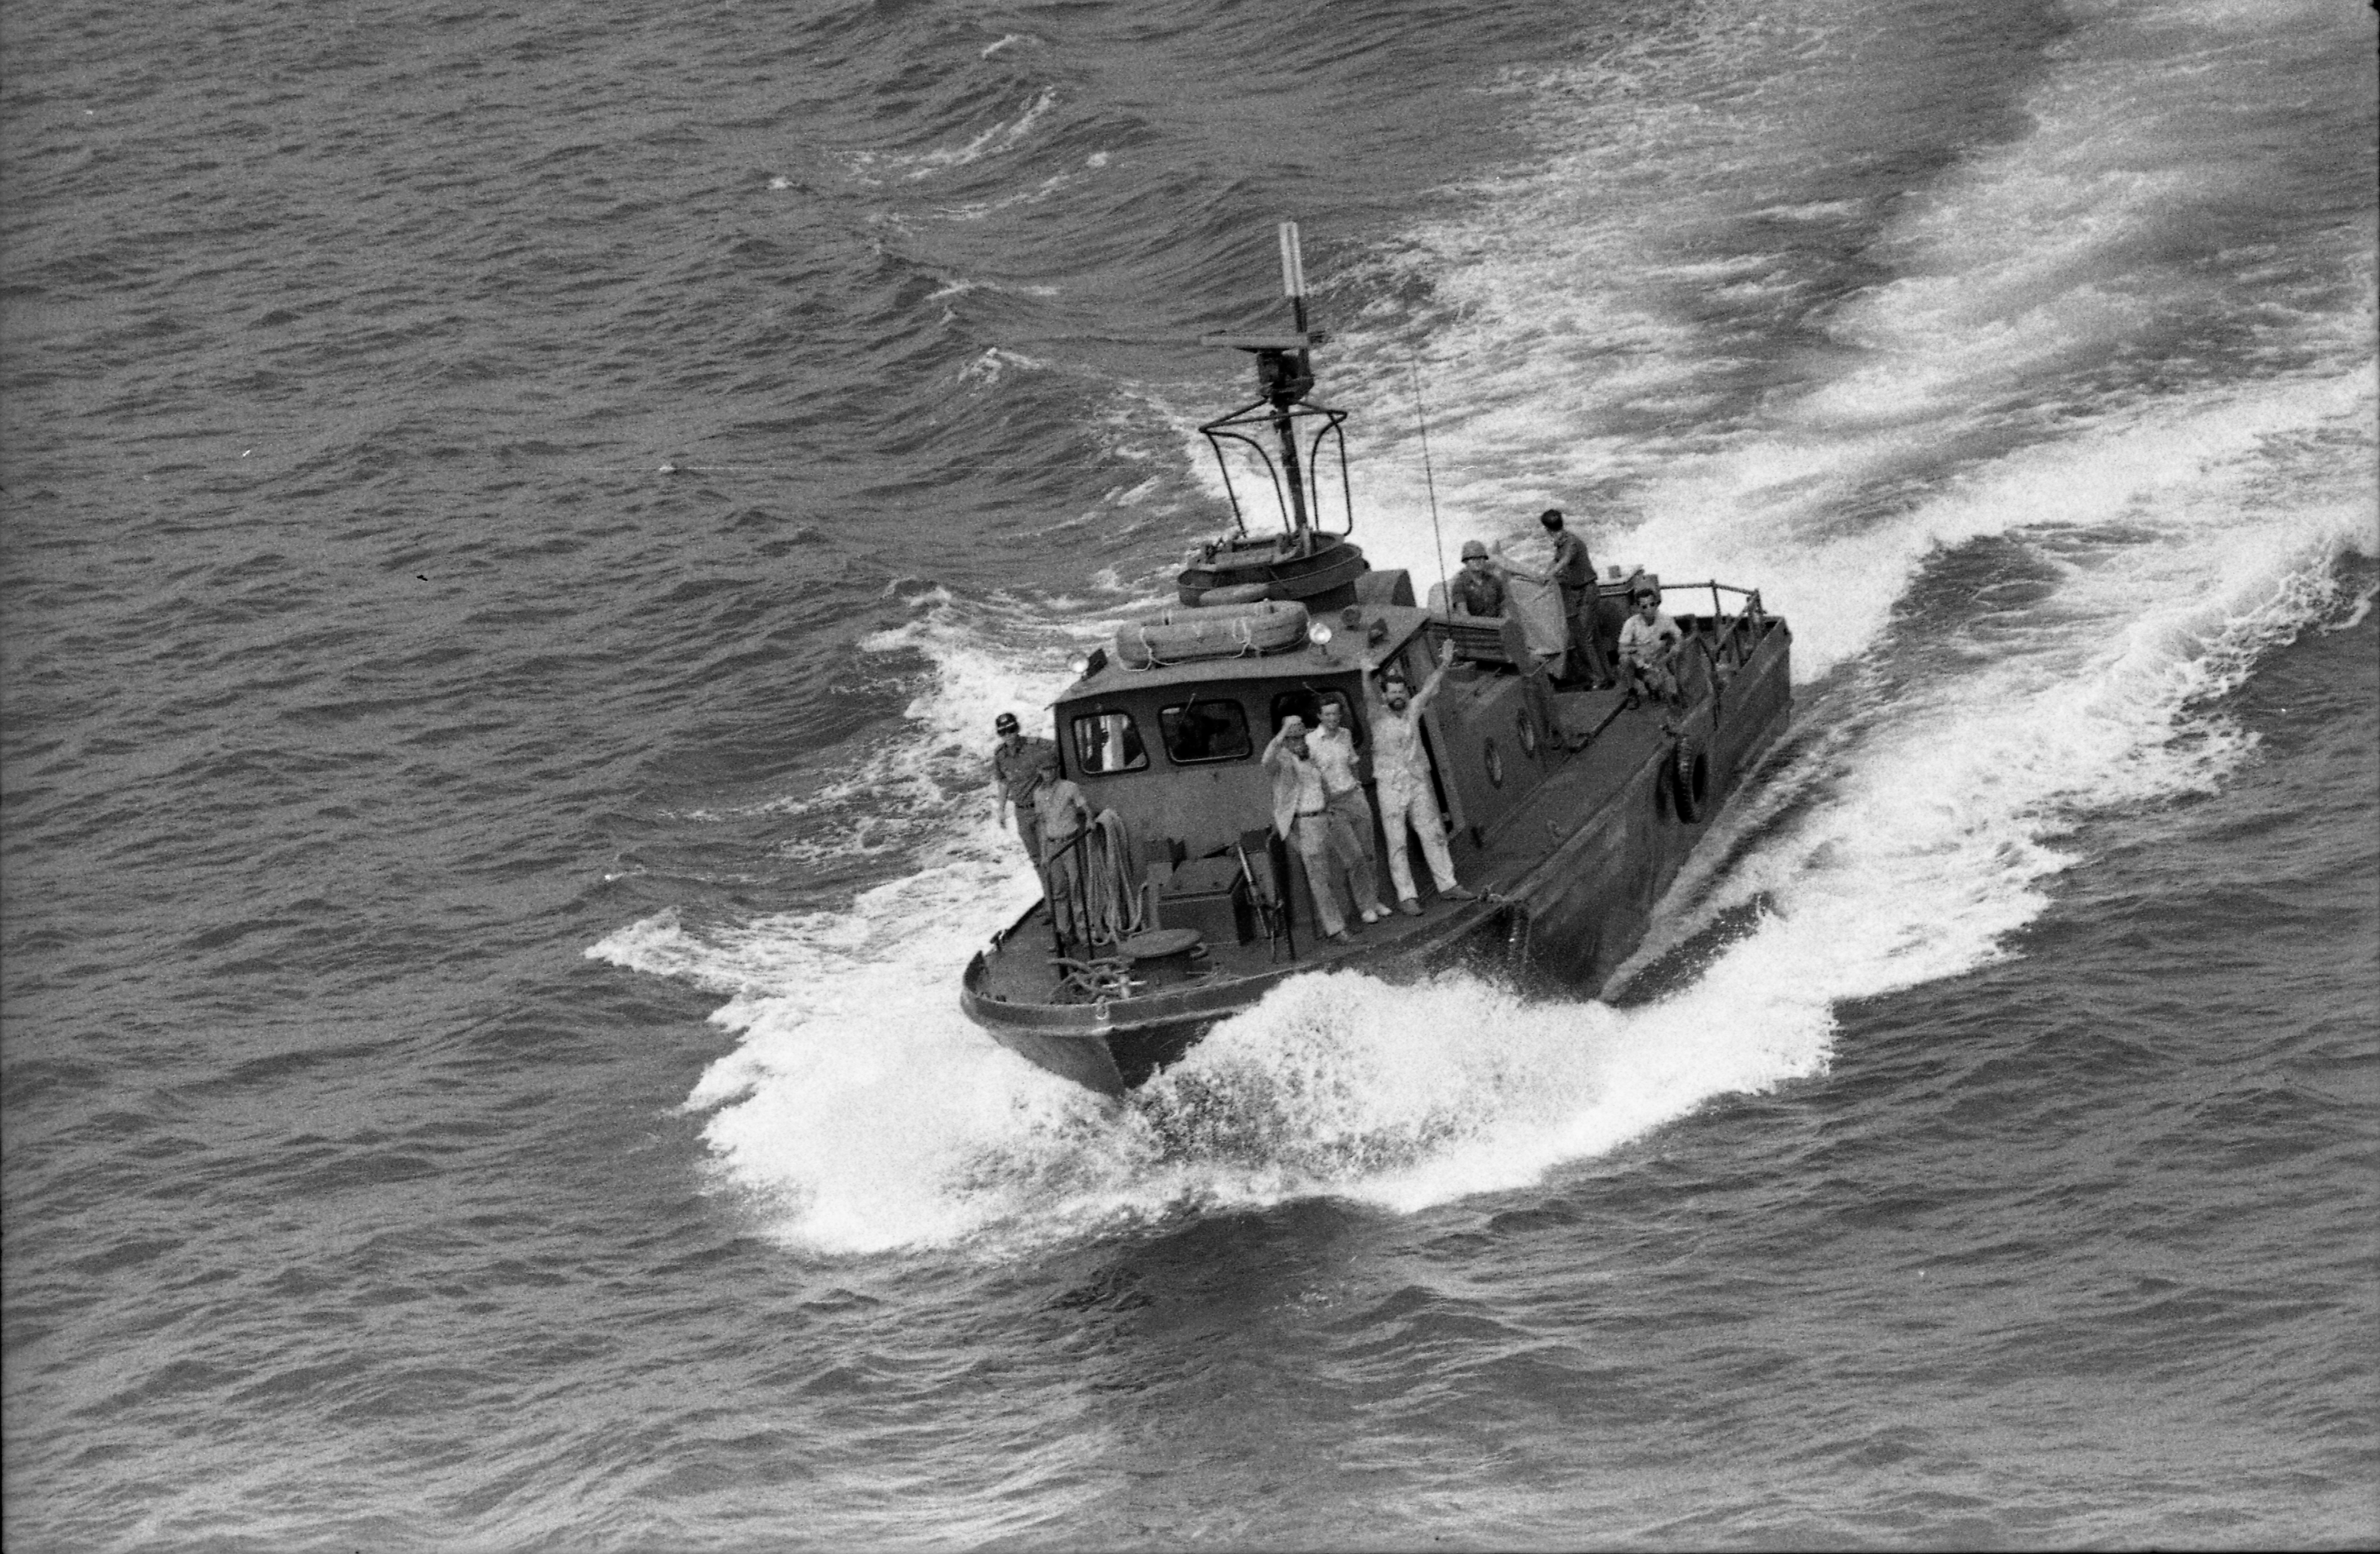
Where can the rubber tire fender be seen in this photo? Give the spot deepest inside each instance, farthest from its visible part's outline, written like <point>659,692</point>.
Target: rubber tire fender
<point>1689,779</point>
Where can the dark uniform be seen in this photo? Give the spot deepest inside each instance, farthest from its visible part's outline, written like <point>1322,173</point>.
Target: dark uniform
<point>1478,594</point>
<point>1013,770</point>
<point>1573,569</point>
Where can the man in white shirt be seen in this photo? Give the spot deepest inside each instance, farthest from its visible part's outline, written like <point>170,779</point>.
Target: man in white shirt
<point>1648,646</point>
<point>1332,747</point>
<point>1301,813</point>
<point>1400,776</point>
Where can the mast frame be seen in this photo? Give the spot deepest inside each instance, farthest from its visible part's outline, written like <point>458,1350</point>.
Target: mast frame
<point>1280,419</point>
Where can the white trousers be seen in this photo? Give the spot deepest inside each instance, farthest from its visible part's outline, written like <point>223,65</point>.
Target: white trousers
<point>1419,809</point>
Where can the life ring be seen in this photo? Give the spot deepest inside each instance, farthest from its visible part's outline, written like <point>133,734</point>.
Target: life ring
<point>1221,631</point>
<point>1689,779</point>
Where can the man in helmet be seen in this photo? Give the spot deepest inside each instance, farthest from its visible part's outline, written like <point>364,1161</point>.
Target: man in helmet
<point>1014,765</point>
<point>1478,588</point>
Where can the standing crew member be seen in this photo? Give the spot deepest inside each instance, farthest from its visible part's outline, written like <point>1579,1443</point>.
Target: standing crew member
<point>1063,814</point>
<point>1016,764</point>
<point>1400,774</point>
<point>1301,813</point>
<point>1332,747</point>
<point>1573,571</point>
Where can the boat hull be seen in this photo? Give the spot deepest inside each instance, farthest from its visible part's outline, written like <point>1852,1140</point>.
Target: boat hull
<point>1117,1046</point>
<point>1568,883</point>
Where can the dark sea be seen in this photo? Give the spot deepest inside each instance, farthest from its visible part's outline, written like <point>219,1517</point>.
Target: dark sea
<point>483,910</point>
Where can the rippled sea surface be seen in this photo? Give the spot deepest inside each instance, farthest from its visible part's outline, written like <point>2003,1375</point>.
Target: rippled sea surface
<point>482,912</point>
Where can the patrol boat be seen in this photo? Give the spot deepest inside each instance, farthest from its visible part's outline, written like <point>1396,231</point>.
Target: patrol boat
<point>1570,810</point>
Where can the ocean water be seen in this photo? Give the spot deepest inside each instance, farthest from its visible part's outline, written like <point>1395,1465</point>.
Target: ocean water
<point>480,910</point>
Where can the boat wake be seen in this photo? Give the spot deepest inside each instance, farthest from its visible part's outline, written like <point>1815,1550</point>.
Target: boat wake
<point>1903,840</point>
<point>2020,590</point>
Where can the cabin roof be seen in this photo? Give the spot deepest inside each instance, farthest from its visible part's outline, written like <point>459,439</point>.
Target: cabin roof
<point>1350,650</point>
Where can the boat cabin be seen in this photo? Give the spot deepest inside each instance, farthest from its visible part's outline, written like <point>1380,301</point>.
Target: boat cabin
<point>1176,747</point>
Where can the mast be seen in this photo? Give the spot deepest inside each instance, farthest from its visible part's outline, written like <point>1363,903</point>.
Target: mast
<point>1284,378</point>
<point>1287,389</point>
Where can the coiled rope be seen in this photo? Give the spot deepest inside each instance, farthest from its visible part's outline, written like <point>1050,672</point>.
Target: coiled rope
<point>1111,892</point>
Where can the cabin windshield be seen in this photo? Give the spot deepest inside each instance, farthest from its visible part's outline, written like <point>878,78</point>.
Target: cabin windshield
<point>1108,742</point>
<point>1198,732</point>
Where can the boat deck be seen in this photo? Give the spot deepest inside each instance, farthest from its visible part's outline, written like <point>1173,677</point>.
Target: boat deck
<point>1024,969</point>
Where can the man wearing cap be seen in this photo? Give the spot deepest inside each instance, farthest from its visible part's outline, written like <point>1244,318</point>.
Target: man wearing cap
<point>1648,644</point>
<point>1401,776</point>
<point>1301,814</point>
<point>1476,589</point>
<point>1013,766</point>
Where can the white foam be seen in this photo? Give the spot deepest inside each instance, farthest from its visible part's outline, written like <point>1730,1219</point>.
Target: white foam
<point>1003,137</point>
<point>987,369</point>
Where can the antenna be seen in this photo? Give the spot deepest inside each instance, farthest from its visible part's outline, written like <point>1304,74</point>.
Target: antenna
<point>1293,286</point>
<point>1421,416</point>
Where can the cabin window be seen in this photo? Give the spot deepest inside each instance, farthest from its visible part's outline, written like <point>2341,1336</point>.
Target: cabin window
<point>1307,704</point>
<point>1106,741</point>
<point>1205,731</point>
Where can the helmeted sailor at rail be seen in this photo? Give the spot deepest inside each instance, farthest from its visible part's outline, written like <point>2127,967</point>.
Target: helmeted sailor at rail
<point>1478,588</point>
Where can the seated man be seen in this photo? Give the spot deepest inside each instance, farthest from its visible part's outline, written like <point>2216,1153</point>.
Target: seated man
<point>1648,646</point>
<point>1476,589</point>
